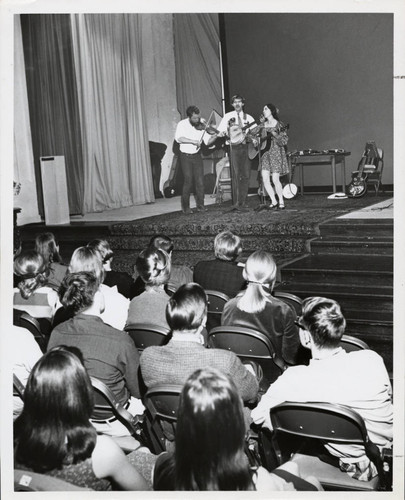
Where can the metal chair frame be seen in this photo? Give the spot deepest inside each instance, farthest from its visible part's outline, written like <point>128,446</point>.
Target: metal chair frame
<point>258,348</point>
<point>145,335</point>
<point>327,422</point>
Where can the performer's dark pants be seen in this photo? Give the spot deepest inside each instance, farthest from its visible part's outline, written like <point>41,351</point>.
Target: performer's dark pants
<point>241,173</point>
<point>192,168</point>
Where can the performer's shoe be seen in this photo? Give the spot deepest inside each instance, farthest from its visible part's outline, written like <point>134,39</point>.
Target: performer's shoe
<point>187,211</point>
<point>281,207</point>
<point>201,209</point>
<point>272,206</point>
<point>242,208</point>
<point>259,208</point>
<point>233,208</point>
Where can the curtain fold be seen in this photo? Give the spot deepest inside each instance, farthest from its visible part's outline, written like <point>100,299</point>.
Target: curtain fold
<point>117,171</point>
<point>52,99</point>
<point>196,39</point>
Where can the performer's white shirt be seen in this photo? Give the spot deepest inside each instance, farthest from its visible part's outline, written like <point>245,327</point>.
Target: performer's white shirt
<point>185,129</point>
<point>223,126</point>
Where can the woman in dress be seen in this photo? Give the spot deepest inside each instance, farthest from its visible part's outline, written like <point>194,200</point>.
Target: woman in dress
<point>274,159</point>
<point>258,309</point>
<point>54,436</point>
<point>210,444</point>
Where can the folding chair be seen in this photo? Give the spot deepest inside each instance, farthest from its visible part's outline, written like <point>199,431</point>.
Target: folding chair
<point>105,401</point>
<point>292,300</point>
<point>216,303</point>
<point>161,403</point>
<point>25,320</point>
<point>145,335</point>
<point>249,345</point>
<point>325,422</point>
<point>223,185</point>
<point>350,343</point>
<point>374,166</point>
<point>32,481</point>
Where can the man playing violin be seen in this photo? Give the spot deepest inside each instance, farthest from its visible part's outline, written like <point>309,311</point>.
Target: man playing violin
<point>234,124</point>
<point>190,134</point>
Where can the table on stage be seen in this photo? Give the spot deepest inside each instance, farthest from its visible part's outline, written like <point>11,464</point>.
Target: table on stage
<point>330,157</point>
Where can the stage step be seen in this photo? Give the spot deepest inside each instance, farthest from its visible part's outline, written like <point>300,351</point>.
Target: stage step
<point>358,228</point>
<point>350,245</point>
<point>364,299</point>
<point>340,269</point>
<point>351,262</point>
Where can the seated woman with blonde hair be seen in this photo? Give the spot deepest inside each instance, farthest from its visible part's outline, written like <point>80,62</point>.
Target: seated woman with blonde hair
<point>116,305</point>
<point>54,436</point>
<point>46,245</point>
<point>257,308</point>
<point>154,266</point>
<point>32,295</point>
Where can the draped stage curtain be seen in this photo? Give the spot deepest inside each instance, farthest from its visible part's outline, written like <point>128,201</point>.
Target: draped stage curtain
<point>23,155</point>
<point>196,39</point>
<point>117,170</point>
<point>52,99</point>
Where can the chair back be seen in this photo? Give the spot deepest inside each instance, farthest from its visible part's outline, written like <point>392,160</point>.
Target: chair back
<point>351,344</point>
<point>33,481</point>
<point>249,345</point>
<point>25,320</point>
<point>292,300</point>
<point>18,387</point>
<point>170,288</point>
<point>145,335</point>
<point>161,403</point>
<point>216,303</point>
<point>326,422</point>
<point>106,402</point>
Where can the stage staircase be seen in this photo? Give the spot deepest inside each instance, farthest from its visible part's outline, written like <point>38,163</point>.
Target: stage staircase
<point>351,261</point>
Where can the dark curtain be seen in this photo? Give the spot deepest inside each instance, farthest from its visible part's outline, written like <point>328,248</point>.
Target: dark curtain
<point>53,102</point>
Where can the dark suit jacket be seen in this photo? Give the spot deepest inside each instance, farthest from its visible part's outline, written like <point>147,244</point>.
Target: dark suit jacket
<point>220,275</point>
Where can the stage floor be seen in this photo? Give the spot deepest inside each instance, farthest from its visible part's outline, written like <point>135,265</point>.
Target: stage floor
<point>381,210</point>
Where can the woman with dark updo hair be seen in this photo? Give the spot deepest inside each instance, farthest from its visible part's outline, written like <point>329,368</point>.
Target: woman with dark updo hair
<point>54,436</point>
<point>32,295</point>
<point>153,266</point>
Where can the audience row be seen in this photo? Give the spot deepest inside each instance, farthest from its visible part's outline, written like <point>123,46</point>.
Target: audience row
<point>220,400</point>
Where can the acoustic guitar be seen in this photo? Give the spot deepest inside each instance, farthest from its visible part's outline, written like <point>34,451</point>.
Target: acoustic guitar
<point>257,133</point>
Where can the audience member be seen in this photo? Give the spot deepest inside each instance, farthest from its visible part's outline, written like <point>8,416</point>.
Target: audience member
<point>46,245</point>
<point>109,354</point>
<point>210,438</point>
<point>223,274</point>
<point>171,364</point>
<point>32,295</point>
<point>54,436</point>
<point>179,275</point>
<point>256,307</point>
<point>357,379</point>
<point>24,353</point>
<point>154,267</point>
<point>123,281</point>
<point>116,305</point>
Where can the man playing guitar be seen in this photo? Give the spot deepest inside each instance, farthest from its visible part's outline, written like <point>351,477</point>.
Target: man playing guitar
<point>234,125</point>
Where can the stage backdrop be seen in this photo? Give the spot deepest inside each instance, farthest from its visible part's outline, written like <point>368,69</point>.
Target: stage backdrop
<point>331,76</point>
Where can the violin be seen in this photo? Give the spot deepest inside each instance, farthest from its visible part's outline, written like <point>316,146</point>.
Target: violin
<point>203,125</point>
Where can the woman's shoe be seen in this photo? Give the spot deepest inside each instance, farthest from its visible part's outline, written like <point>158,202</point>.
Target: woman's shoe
<point>272,206</point>
<point>281,207</point>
